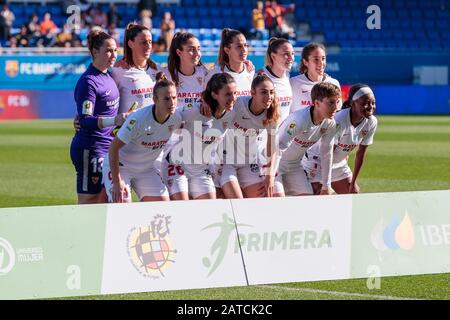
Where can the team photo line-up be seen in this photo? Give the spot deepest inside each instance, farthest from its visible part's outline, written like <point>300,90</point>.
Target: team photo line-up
<point>188,132</point>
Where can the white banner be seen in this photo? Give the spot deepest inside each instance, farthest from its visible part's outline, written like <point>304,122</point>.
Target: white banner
<point>169,246</point>
<point>295,239</point>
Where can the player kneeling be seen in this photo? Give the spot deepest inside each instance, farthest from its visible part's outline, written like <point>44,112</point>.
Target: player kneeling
<point>138,144</point>
<point>356,127</point>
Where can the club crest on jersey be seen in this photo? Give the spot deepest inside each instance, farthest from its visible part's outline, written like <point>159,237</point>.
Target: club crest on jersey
<point>323,130</point>
<point>95,180</point>
<point>364,132</point>
<point>170,128</point>
<point>87,108</point>
<point>200,80</point>
<point>187,107</point>
<point>291,128</point>
<point>225,124</point>
<point>131,124</point>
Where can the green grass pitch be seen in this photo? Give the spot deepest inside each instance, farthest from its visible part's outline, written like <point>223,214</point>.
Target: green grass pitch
<point>409,153</point>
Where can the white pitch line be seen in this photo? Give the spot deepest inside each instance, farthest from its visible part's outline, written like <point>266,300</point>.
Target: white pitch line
<point>360,295</point>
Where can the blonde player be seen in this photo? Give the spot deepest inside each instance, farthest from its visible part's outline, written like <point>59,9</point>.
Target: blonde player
<point>135,74</point>
<point>300,131</point>
<point>254,115</point>
<point>201,136</point>
<point>188,73</point>
<point>279,59</point>
<point>312,71</point>
<point>357,126</point>
<point>138,143</point>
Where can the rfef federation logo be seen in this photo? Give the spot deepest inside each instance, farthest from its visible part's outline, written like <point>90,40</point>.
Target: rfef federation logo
<point>394,235</point>
<point>150,248</point>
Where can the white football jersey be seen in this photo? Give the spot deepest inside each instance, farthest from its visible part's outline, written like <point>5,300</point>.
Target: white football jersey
<point>134,84</point>
<point>243,79</point>
<point>205,133</point>
<point>301,88</point>
<point>348,137</point>
<point>283,92</point>
<point>145,137</point>
<point>298,133</point>
<point>190,88</point>
<point>247,134</point>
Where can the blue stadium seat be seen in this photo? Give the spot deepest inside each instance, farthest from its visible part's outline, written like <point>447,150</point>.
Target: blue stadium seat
<point>327,25</point>
<point>312,13</point>
<point>338,24</point>
<point>316,25</point>
<point>417,24</point>
<point>194,23</point>
<point>215,12</point>
<point>217,23</point>
<point>227,12</point>
<point>188,3</point>
<point>206,23</point>
<point>346,14</point>
<point>430,14</point>
<point>429,24</point>
<point>203,12</point>
<point>335,14</point>
<point>442,24</point>
<point>300,14</point>
<point>331,36</point>
<point>416,14</point>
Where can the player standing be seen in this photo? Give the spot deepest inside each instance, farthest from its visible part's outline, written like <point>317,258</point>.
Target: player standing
<point>188,73</point>
<point>232,59</point>
<point>97,100</point>
<point>135,74</point>
<point>279,59</point>
<point>312,71</point>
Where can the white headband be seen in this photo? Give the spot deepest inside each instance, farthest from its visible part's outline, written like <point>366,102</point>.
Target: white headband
<point>362,92</point>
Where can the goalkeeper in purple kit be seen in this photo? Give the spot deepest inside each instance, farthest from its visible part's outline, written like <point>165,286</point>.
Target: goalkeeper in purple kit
<point>97,100</point>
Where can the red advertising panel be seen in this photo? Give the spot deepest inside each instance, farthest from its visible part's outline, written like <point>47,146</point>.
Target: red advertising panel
<point>18,104</point>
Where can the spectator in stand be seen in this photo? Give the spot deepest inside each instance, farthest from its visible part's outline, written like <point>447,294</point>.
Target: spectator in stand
<point>6,22</point>
<point>23,39</point>
<point>33,27</point>
<point>99,18</point>
<point>13,42</point>
<point>112,31</point>
<point>47,25</point>
<point>146,18</point>
<point>76,40</point>
<point>63,37</point>
<point>275,16</point>
<point>113,15</point>
<point>149,5</point>
<point>258,20</point>
<point>167,27</point>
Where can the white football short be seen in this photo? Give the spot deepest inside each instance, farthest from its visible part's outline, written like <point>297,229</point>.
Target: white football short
<point>196,179</point>
<point>146,182</point>
<point>313,170</point>
<point>291,179</point>
<point>245,174</point>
